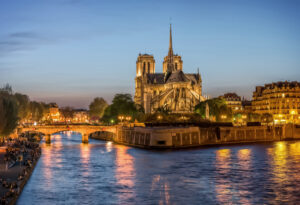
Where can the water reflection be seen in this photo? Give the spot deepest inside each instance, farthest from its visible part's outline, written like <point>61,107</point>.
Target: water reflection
<point>70,172</point>
<point>85,159</point>
<point>46,161</point>
<point>125,173</point>
<point>223,185</point>
<point>162,186</point>
<point>109,146</point>
<point>244,157</point>
<point>244,165</point>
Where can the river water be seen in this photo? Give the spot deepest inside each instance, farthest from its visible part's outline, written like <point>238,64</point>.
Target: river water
<point>70,172</point>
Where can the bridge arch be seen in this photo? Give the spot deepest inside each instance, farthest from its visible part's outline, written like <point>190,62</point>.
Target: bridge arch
<point>84,130</point>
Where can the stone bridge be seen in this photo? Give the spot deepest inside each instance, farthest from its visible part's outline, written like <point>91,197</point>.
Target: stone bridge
<point>84,130</point>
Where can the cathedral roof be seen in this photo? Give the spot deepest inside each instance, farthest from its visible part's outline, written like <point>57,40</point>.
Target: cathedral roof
<point>156,78</point>
<point>193,77</point>
<point>177,76</point>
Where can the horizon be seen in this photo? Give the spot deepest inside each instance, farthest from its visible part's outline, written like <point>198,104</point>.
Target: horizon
<point>89,49</point>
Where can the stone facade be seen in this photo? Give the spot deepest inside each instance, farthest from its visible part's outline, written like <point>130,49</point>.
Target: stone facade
<point>171,90</point>
<point>181,137</point>
<point>281,99</point>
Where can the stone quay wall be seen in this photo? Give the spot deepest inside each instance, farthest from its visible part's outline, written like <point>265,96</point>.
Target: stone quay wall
<point>180,137</point>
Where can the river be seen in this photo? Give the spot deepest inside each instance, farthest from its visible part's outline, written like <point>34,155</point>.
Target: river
<point>100,172</point>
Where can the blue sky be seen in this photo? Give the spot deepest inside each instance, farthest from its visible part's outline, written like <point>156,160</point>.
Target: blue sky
<point>71,51</point>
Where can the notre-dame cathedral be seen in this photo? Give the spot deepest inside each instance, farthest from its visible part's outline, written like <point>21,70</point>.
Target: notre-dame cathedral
<point>172,90</point>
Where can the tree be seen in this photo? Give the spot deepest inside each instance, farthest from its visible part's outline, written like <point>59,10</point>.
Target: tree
<point>23,105</point>
<point>97,107</point>
<point>122,104</point>
<point>217,107</point>
<point>37,111</point>
<point>267,118</point>
<point>8,111</point>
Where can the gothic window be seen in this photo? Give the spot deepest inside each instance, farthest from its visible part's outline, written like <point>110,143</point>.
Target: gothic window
<point>148,67</point>
<point>144,68</point>
<point>183,93</point>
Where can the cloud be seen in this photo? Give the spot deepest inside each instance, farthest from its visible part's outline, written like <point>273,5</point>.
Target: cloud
<point>19,41</point>
<point>24,35</point>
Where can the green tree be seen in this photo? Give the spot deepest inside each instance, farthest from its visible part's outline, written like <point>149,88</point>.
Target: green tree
<point>23,105</point>
<point>36,110</point>
<point>122,104</point>
<point>8,111</point>
<point>97,107</point>
<point>217,107</point>
<point>266,118</point>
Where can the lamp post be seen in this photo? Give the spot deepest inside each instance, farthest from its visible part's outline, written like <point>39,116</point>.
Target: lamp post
<point>121,117</point>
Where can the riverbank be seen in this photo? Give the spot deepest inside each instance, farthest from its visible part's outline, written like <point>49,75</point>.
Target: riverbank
<point>173,137</point>
<point>17,162</point>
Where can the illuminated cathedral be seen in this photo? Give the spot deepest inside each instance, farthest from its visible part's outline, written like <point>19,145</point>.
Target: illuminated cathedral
<point>171,90</point>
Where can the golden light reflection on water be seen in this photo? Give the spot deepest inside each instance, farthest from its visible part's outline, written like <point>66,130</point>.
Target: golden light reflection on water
<point>125,172</point>
<point>295,150</point>
<point>222,160</point>
<point>85,159</point>
<point>279,168</point>
<point>47,161</point>
<point>244,161</point>
<point>244,156</point>
<point>108,146</point>
<point>279,154</point>
<point>223,185</point>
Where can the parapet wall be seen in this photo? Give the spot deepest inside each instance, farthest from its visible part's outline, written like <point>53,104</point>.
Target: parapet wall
<point>173,137</point>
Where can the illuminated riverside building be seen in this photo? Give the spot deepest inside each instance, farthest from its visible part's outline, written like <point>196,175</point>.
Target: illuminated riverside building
<point>281,99</point>
<point>54,114</point>
<point>80,116</point>
<point>172,89</point>
<point>233,101</point>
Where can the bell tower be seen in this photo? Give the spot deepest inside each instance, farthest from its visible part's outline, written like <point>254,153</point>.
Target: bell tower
<point>145,64</point>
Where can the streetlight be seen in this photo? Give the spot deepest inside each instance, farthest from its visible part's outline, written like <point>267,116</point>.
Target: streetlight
<point>223,117</point>
<point>121,117</point>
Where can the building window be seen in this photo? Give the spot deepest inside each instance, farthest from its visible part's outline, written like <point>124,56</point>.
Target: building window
<point>175,66</point>
<point>148,67</point>
<point>144,68</point>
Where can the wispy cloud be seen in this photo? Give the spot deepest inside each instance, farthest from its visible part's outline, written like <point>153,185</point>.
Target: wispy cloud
<point>25,35</point>
<point>20,41</point>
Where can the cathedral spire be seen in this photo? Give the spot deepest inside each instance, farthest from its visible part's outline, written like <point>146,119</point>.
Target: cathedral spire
<point>170,53</point>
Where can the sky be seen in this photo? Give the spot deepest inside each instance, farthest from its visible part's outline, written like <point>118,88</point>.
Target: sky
<point>70,51</point>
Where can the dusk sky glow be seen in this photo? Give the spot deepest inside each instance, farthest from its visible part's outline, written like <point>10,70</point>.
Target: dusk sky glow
<point>70,51</point>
